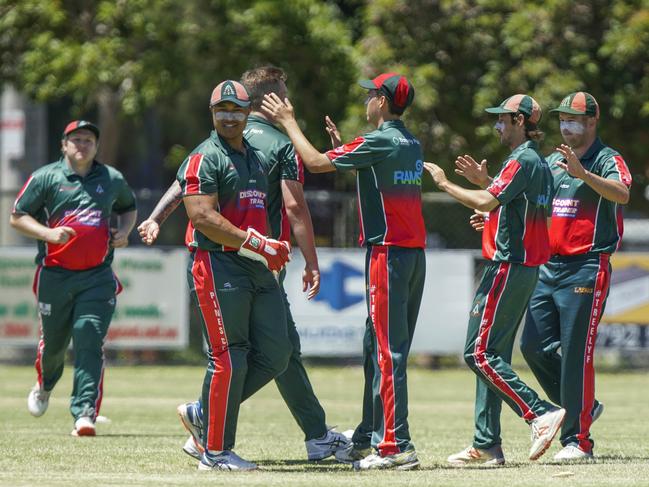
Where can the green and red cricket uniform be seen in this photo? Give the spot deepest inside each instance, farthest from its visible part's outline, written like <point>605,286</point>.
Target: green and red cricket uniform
<point>239,300</point>
<point>74,284</point>
<point>569,300</point>
<point>515,240</point>
<point>281,163</point>
<point>388,164</point>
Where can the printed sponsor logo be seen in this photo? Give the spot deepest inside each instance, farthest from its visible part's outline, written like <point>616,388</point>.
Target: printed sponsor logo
<point>68,187</point>
<point>99,189</point>
<point>583,290</point>
<point>476,310</point>
<point>255,242</point>
<point>565,207</point>
<point>404,141</point>
<point>254,131</point>
<point>45,309</point>
<point>252,198</point>
<point>90,218</point>
<point>409,177</point>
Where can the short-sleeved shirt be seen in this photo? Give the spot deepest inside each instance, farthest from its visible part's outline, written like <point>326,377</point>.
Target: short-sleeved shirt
<point>281,163</point>
<point>56,196</point>
<point>238,179</point>
<point>582,220</point>
<point>389,164</point>
<point>516,231</point>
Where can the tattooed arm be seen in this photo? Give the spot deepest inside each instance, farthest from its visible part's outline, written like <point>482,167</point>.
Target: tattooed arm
<point>150,228</point>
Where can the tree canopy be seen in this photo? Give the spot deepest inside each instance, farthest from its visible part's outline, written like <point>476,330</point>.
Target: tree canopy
<point>141,62</point>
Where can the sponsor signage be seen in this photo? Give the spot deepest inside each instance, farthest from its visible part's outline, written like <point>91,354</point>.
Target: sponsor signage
<point>151,312</point>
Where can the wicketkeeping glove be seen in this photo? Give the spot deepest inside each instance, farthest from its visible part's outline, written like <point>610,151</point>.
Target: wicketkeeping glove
<point>274,254</point>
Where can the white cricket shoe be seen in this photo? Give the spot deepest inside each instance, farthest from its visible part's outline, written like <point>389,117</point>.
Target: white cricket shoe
<point>327,445</point>
<point>493,456</point>
<point>572,453</point>
<point>224,460</point>
<point>597,412</point>
<point>38,400</point>
<point>190,417</point>
<point>190,448</point>
<point>544,429</point>
<point>84,426</point>
<point>351,453</point>
<point>406,460</point>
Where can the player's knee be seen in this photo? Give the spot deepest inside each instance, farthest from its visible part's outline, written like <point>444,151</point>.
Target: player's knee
<point>87,333</point>
<point>278,360</point>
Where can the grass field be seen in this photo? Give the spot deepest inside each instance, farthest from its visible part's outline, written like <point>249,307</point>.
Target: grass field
<point>141,447</point>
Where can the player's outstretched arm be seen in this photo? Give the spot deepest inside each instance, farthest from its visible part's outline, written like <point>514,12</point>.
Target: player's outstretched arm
<point>299,217</point>
<point>29,226</point>
<point>149,229</point>
<point>473,172</point>
<point>333,132</point>
<point>477,199</point>
<point>282,113</point>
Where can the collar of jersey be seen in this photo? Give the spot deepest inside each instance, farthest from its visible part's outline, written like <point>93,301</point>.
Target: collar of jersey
<point>263,121</point>
<point>224,146</point>
<point>67,172</point>
<point>391,123</point>
<point>528,144</point>
<point>593,150</point>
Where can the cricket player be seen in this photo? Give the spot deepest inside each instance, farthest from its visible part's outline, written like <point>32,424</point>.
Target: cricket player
<point>231,273</point>
<point>515,241</point>
<point>591,183</point>
<point>388,164</point>
<point>287,209</point>
<point>67,206</point>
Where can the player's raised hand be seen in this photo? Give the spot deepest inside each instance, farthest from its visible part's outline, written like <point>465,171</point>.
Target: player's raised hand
<point>310,281</point>
<point>334,133</point>
<point>572,164</point>
<point>59,235</point>
<point>477,220</point>
<point>149,230</point>
<point>280,111</point>
<point>474,173</point>
<point>439,177</point>
<point>118,238</point>
<point>274,254</point>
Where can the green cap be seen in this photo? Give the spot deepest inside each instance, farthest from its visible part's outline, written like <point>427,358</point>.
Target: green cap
<point>524,104</point>
<point>579,103</point>
<point>395,87</point>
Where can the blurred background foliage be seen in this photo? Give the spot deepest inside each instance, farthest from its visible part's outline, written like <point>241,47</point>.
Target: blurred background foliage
<point>144,69</point>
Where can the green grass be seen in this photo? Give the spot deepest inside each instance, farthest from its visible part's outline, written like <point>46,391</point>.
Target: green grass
<point>141,447</point>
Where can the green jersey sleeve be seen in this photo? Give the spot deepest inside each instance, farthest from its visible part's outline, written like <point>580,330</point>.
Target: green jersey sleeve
<point>362,152</point>
<point>509,182</point>
<point>31,198</point>
<point>198,175</point>
<point>125,198</point>
<point>290,164</point>
<point>615,168</point>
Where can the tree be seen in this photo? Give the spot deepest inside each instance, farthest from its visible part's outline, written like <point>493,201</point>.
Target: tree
<point>463,56</point>
<point>116,56</point>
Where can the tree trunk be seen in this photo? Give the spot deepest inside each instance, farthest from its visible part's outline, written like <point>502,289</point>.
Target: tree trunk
<point>108,103</point>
